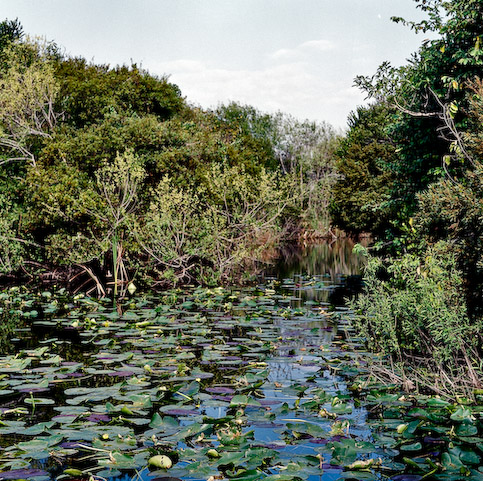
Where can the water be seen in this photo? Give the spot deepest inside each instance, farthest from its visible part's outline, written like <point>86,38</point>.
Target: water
<point>248,370</point>
<point>327,273</point>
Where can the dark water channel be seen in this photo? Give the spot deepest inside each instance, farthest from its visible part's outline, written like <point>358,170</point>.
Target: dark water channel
<point>240,384</point>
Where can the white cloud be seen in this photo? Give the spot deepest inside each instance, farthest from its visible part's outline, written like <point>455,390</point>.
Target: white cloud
<point>304,50</point>
<point>320,45</point>
<point>291,87</point>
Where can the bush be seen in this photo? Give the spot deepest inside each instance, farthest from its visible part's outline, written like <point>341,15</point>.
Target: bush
<point>455,212</point>
<point>89,92</point>
<point>212,234</point>
<point>12,249</point>
<point>412,309</point>
<point>120,177</point>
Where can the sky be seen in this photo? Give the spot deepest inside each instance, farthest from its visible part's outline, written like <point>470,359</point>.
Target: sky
<point>294,56</point>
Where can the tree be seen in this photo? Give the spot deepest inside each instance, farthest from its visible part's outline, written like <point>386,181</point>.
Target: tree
<point>362,192</point>
<point>424,308</point>
<point>89,92</point>
<point>305,150</point>
<point>10,31</point>
<point>453,208</point>
<point>28,89</point>
<point>253,127</point>
<point>427,92</point>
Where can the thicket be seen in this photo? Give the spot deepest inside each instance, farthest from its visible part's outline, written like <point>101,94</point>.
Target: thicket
<point>108,175</point>
<point>422,137</point>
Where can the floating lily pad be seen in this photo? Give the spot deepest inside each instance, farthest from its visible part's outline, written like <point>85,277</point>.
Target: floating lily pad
<point>22,474</point>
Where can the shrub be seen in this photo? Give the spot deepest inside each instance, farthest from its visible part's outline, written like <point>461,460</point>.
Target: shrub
<point>89,92</point>
<point>455,212</point>
<point>412,309</point>
<point>211,234</point>
<point>12,249</point>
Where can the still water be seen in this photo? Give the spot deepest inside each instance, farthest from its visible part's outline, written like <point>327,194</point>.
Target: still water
<point>237,383</point>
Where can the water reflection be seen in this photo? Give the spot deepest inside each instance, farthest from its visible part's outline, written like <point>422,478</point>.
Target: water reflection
<point>326,273</point>
<point>332,259</point>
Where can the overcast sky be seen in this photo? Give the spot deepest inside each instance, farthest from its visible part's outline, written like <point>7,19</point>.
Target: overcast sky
<point>297,56</point>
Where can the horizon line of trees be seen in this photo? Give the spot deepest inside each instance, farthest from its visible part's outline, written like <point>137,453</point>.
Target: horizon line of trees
<point>108,175</point>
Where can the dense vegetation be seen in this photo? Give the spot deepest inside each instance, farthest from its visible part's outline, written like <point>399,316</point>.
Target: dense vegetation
<point>108,175</point>
<point>110,179</point>
<point>417,149</point>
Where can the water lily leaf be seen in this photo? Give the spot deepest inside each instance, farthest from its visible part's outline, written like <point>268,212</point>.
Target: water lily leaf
<point>22,474</point>
<point>451,461</point>
<point>313,430</point>
<point>412,447</point>
<point>342,408</point>
<point>110,473</point>
<point>462,414</point>
<point>197,469</point>
<point>437,402</point>
<point>39,448</point>
<point>11,427</point>
<point>384,440</point>
<point>120,461</point>
<point>274,404</point>
<point>468,456</point>
<point>227,459</point>
<point>243,400</point>
<point>419,413</point>
<point>14,365</point>
<point>73,472</point>
<point>472,440</point>
<point>246,475</point>
<point>361,464</point>
<point>37,428</point>
<point>343,454</point>
<point>466,430</point>
<point>38,401</point>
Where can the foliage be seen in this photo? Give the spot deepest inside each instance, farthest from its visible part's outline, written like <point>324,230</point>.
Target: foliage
<point>413,308</point>
<point>455,212</point>
<point>28,90</point>
<point>429,97</point>
<point>423,308</point>
<point>11,248</point>
<point>143,390</point>
<point>303,150</point>
<point>212,234</point>
<point>256,128</point>
<point>120,176</point>
<point>119,183</point>
<point>453,208</point>
<point>306,151</point>
<point>89,92</point>
<point>362,192</point>
<point>175,232</point>
<point>10,31</point>
<point>60,202</point>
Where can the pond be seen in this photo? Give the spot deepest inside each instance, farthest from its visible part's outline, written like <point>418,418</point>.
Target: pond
<point>266,383</point>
